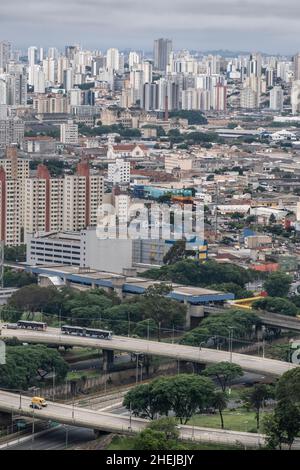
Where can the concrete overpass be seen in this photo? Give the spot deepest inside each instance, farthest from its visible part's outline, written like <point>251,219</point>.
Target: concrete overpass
<point>274,320</point>
<point>283,322</point>
<point>141,346</point>
<point>120,424</point>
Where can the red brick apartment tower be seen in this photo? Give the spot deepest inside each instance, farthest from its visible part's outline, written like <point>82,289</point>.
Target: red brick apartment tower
<point>43,173</point>
<point>3,203</point>
<point>83,170</point>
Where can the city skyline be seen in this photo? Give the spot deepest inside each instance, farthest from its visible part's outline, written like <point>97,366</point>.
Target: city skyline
<point>268,26</point>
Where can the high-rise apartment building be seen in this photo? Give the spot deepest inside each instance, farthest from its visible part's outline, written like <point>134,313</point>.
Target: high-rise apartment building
<point>32,61</point>
<point>119,172</point>
<point>13,174</point>
<point>276,99</point>
<point>5,54</point>
<point>83,194</point>
<point>162,50</point>
<point>69,133</point>
<point>296,63</point>
<point>11,131</point>
<point>45,204</point>
<point>113,59</point>
<point>248,98</point>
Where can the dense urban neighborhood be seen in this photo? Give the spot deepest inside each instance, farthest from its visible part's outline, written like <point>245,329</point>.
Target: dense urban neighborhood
<point>149,248</point>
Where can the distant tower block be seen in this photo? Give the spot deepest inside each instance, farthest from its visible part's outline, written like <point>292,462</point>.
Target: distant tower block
<point>298,212</point>
<point>166,108</point>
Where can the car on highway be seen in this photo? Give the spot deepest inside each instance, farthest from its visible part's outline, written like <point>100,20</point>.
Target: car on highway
<point>38,403</point>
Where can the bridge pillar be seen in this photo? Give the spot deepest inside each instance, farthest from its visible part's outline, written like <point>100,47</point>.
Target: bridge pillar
<point>194,314</point>
<point>198,368</point>
<point>108,359</point>
<point>260,332</point>
<point>98,433</point>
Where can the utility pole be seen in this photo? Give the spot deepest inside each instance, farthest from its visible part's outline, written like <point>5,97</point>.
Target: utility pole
<point>2,264</point>
<point>32,432</point>
<point>217,217</point>
<point>137,368</point>
<point>67,430</point>
<point>230,341</point>
<point>53,384</point>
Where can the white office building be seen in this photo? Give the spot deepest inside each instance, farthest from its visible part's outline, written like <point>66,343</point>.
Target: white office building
<point>119,172</point>
<point>69,133</point>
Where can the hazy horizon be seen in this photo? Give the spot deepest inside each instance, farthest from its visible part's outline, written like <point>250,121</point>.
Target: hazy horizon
<point>266,25</point>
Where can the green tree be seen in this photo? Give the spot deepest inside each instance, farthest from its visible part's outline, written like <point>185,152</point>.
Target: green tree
<point>33,298</point>
<point>256,397</point>
<point>182,394</point>
<point>190,394</point>
<point>288,386</point>
<point>163,311</point>
<point>214,329</point>
<point>224,373</point>
<point>219,402</point>
<point>16,278</point>
<point>15,253</point>
<point>161,434</point>
<point>193,117</point>
<point>278,284</point>
<point>25,363</point>
<point>150,439</point>
<point>142,401</point>
<point>167,426</point>
<point>276,305</point>
<point>282,426</point>
<point>176,253</point>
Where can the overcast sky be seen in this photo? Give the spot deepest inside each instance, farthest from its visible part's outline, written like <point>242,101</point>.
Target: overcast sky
<point>266,25</point>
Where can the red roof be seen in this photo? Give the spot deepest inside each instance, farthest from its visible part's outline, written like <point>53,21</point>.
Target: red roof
<point>129,147</point>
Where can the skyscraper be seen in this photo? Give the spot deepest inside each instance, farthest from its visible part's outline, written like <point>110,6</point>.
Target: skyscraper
<point>5,53</point>
<point>162,49</point>
<point>113,59</point>
<point>32,61</point>
<point>296,61</point>
<point>276,98</point>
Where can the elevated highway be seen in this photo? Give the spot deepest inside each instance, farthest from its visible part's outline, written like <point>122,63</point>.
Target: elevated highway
<point>120,424</point>
<point>141,346</point>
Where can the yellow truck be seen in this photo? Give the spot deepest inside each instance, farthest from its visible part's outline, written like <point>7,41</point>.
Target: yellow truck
<point>38,403</point>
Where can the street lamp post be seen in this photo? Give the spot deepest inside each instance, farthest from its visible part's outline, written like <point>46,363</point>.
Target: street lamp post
<point>32,431</point>
<point>130,416</point>
<point>230,341</point>
<point>20,402</point>
<point>141,371</point>
<point>53,384</point>
<point>73,411</point>
<point>67,430</point>
<point>137,368</point>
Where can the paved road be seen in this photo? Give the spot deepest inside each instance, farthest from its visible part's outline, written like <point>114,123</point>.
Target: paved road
<point>122,424</point>
<point>58,438</point>
<point>64,436</point>
<point>175,351</point>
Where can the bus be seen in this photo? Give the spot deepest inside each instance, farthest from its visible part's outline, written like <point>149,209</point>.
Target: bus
<point>33,325</point>
<point>86,332</point>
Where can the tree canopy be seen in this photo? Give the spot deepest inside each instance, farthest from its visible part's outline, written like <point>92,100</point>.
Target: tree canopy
<point>183,394</point>
<point>276,305</point>
<point>278,284</point>
<point>191,272</point>
<point>215,329</point>
<point>224,373</point>
<point>24,364</point>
